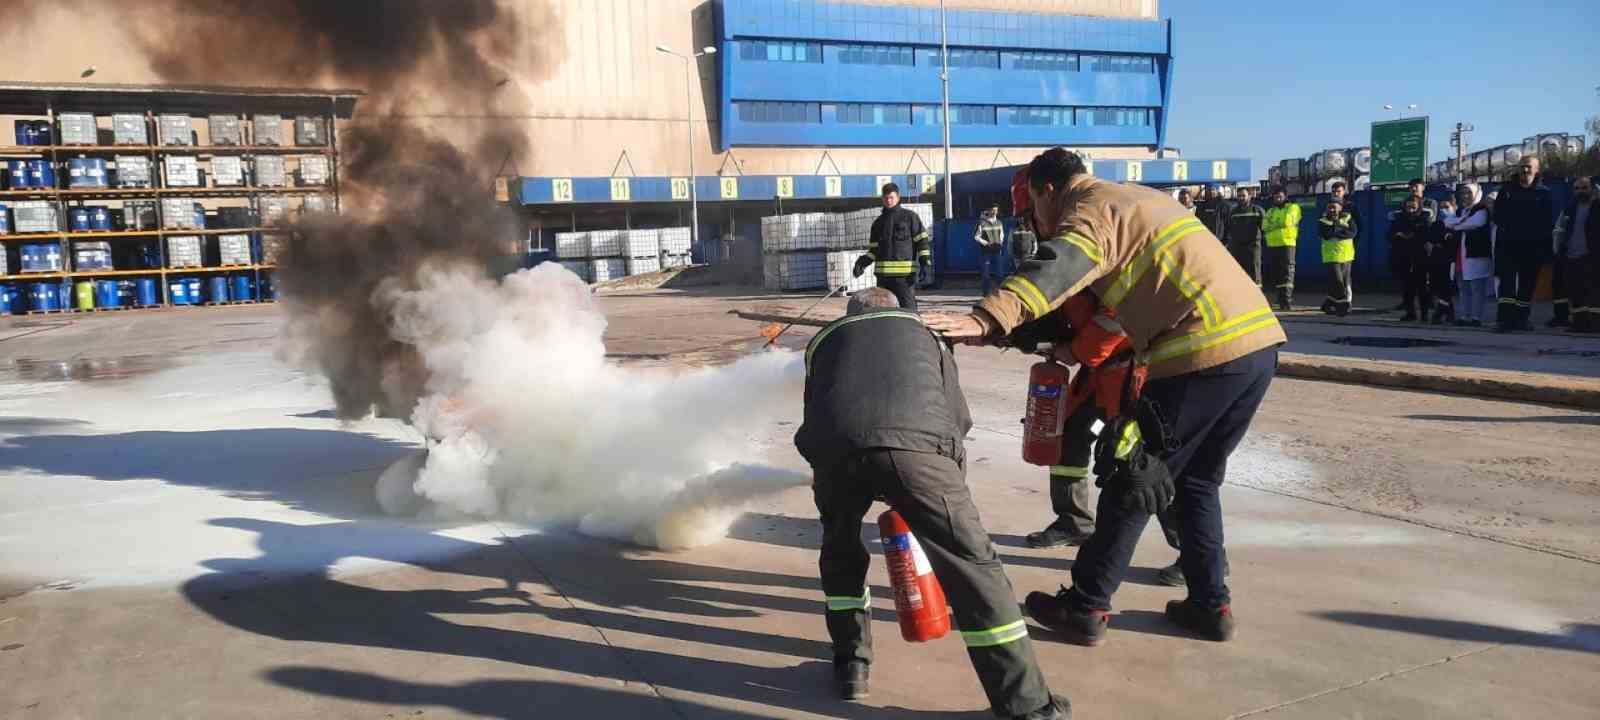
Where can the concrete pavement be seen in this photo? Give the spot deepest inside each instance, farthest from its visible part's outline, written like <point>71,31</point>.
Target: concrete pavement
<point>1395,555</point>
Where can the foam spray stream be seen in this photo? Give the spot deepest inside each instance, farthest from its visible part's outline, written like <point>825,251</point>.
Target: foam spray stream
<point>389,300</point>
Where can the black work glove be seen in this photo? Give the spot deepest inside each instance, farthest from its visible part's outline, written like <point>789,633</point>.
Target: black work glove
<point>861,265</point>
<point>1028,336</point>
<point>1140,478</point>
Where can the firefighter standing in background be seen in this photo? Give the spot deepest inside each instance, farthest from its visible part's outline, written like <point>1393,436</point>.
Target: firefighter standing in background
<point>885,417</point>
<point>1210,340</point>
<point>899,246</point>
<point>1282,228</point>
<point>1213,211</point>
<point>1408,231</point>
<point>1244,234</point>
<point>1338,236</point>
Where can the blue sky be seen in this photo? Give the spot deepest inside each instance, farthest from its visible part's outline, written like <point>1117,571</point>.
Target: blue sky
<point>1270,80</point>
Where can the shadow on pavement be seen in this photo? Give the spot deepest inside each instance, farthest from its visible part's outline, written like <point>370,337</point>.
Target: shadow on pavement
<point>500,597</point>
<point>1582,637</point>
<point>1551,419</point>
<point>246,464</point>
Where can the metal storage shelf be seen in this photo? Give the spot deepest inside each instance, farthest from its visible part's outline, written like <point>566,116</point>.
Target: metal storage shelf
<point>43,100</point>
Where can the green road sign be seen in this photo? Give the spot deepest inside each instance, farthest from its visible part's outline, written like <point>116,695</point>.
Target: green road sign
<point>1399,150</point>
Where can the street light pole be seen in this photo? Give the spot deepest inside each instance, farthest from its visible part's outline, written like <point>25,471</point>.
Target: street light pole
<point>944,80</point>
<point>688,121</point>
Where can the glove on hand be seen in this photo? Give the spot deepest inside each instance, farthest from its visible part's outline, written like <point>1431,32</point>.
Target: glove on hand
<point>861,265</point>
<point>1139,477</point>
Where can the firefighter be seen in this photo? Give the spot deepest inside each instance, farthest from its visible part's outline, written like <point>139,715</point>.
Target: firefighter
<point>900,245</point>
<point>1244,234</point>
<point>1525,220</point>
<point>885,417</point>
<point>1213,210</point>
<point>1408,232</point>
<point>1338,236</point>
<point>1282,228</point>
<point>1210,339</point>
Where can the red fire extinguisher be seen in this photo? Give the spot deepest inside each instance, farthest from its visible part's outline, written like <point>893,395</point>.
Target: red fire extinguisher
<point>1047,413</point>
<point>918,598</point>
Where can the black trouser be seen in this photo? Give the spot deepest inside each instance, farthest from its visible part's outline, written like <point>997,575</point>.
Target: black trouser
<point>1517,275</point>
<point>904,287</point>
<point>1206,414</point>
<point>930,491</point>
<point>1415,288</point>
<point>1279,268</point>
<point>1583,288</point>
<point>1069,481</point>
<point>1249,257</point>
<point>1340,293</point>
<point>1441,292</point>
<point>1560,294</point>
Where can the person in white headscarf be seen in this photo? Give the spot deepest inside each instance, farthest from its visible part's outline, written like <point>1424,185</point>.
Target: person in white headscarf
<point>1474,255</point>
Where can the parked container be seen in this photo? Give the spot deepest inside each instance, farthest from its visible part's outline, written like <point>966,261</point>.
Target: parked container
<point>642,265</point>
<point>178,214</point>
<point>315,204</point>
<point>129,130</point>
<point>233,249</point>
<point>78,129</point>
<point>85,172</point>
<point>11,302</point>
<point>641,244</point>
<point>149,292</point>
<point>225,130</point>
<point>35,216</point>
<point>132,171</point>
<point>106,294</point>
<point>25,134</point>
<point>175,129</point>
<point>603,269</point>
<point>572,245</point>
<point>178,291</point>
<point>139,215</point>
<point>268,129</point>
<point>274,210</point>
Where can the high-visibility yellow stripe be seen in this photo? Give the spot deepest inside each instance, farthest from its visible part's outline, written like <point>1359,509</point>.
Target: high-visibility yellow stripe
<point>919,237</point>
<point>816,342</point>
<point>1134,272</point>
<point>838,603</point>
<point>1010,632</point>
<point>1130,437</point>
<point>1235,328</point>
<point>1031,296</point>
<point>1203,302</point>
<point>895,267</point>
<point>925,252</point>
<point>1069,471</point>
<point>1083,243</point>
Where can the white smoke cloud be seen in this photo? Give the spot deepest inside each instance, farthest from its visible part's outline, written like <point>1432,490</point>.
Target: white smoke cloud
<point>527,419</point>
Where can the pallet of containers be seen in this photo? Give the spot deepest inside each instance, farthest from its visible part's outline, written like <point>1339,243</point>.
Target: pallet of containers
<point>643,265</point>
<point>233,250</point>
<point>269,171</point>
<point>78,129</point>
<point>642,249</point>
<point>313,170</point>
<point>841,265</point>
<point>91,255</point>
<point>582,268</point>
<point>129,129</point>
<point>183,171</point>
<point>185,251</point>
<point>675,247</point>
<point>794,233</point>
<point>132,171</point>
<point>572,246</point>
<point>605,244</point>
<point>796,271</point>
<point>225,130</point>
<point>268,130</point>
<point>40,258</point>
<point>274,210</point>
<point>35,216</point>
<point>227,171</point>
<point>608,268</point>
<point>175,130</point>
<point>85,173</point>
<point>310,131</point>
<point>139,215</point>
<point>182,214</point>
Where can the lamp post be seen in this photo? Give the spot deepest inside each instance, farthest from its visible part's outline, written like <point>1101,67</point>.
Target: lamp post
<point>944,81</point>
<point>1413,107</point>
<point>688,121</point>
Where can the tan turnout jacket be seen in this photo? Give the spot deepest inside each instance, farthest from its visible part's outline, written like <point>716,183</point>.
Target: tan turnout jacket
<point>1183,300</point>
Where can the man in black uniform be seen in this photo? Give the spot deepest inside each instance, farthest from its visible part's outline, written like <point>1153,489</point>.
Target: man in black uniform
<point>899,245</point>
<point>1243,234</point>
<point>1525,216</point>
<point>1213,212</point>
<point>885,417</point>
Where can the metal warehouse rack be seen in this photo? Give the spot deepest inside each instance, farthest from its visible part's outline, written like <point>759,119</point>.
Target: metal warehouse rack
<point>45,102</point>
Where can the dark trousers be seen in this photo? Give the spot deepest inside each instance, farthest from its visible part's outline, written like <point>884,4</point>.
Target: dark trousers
<point>1069,481</point>
<point>1583,288</point>
<point>1414,288</point>
<point>1248,256</point>
<point>904,287</point>
<point>1339,288</point>
<point>1517,276</point>
<point>1401,270</point>
<point>1278,265</point>
<point>1560,294</point>
<point>1206,415</point>
<point>930,491</point>
<point>1441,292</point>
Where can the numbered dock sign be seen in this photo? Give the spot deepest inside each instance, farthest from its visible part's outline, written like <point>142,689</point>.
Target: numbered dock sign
<point>680,188</point>
<point>1219,169</point>
<point>620,189</point>
<point>1135,171</point>
<point>881,181</point>
<point>929,182</point>
<point>729,187</point>
<point>785,186</point>
<point>1180,169</point>
<point>833,186</point>
<point>561,189</point>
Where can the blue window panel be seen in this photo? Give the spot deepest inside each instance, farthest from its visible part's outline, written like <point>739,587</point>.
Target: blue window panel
<point>1125,117</point>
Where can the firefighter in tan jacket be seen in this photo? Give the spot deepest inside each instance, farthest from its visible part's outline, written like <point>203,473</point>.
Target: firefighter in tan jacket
<point>1210,340</point>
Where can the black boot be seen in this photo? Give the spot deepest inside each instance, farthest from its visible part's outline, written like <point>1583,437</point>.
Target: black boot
<point>1215,625</point>
<point>1060,708</point>
<point>1080,627</point>
<point>852,677</point>
<point>1056,535</point>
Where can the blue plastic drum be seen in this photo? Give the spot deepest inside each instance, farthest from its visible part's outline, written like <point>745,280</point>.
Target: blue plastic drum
<point>178,292</point>
<point>25,132</point>
<point>244,288</point>
<point>78,219</point>
<point>219,289</point>
<point>105,294</point>
<point>10,299</point>
<point>5,221</point>
<point>86,173</point>
<point>100,218</point>
<point>43,296</point>
<point>149,292</point>
<point>17,177</point>
<point>41,174</point>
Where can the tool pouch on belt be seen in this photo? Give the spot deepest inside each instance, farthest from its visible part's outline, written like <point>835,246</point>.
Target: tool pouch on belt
<point>1124,461</point>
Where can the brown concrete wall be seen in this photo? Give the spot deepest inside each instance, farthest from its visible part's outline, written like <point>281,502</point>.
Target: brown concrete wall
<point>583,95</point>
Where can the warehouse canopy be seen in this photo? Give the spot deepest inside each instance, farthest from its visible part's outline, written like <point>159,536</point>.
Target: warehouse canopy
<point>27,98</point>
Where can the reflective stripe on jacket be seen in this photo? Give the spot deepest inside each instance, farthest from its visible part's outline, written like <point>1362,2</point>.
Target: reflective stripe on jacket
<point>1184,302</point>
<point>1282,225</point>
<point>899,241</point>
<point>1338,239</point>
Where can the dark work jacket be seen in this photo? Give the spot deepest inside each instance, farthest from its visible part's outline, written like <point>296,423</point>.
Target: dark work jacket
<point>1445,243</point>
<point>1024,244</point>
<point>881,380</point>
<point>1407,233</point>
<point>1526,218</point>
<point>1244,226</point>
<point>898,241</point>
<point>1214,215</point>
<point>1349,206</point>
<point>1480,242</point>
<point>1591,229</point>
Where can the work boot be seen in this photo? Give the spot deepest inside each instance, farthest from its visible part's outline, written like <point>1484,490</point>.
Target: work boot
<point>1172,575</point>
<point>1060,708</point>
<point>1341,309</point>
<point>1056,535</point>
<point>1328,306</point>
<point>1210,624</point>
<point>852,677</point>
<point>1079,627</point>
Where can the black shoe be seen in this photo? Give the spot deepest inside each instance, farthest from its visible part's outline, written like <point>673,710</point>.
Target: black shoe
<point>1328,307</point>
<point>1056,536</point>
<point>1060,708</point>
<point>852,677</point>
<point>1079,627</point>
<point>1215,625</point>
<point>1171,576</point>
